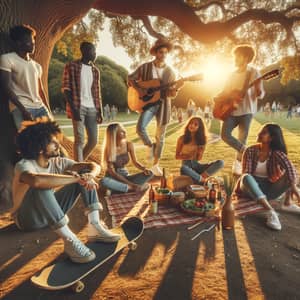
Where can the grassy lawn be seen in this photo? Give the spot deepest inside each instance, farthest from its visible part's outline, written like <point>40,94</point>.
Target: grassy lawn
<point>217,150</point>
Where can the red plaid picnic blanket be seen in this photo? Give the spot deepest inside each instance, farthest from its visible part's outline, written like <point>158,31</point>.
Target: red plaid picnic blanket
<point>243,206</point>
<point>121,206</point>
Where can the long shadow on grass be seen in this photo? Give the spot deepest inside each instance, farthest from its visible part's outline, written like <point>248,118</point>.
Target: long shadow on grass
<point>234,275</point>
<point>276,255</point>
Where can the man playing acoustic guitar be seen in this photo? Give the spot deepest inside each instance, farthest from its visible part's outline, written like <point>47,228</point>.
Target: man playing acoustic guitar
<point>161,110</point>
<point>243,113</point>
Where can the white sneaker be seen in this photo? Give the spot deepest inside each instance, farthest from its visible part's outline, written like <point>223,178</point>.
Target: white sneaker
<point>156,170</point>
<point>77,251</point>
<point>291,208</point>
<point>237,168</point>
<point>273,220</point>
<point>99,233</point>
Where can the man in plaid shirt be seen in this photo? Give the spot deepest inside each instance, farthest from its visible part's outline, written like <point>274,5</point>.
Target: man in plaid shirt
<point>81,87</point>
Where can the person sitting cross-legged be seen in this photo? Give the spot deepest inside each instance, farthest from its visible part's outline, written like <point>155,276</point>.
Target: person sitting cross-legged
<point>116,154</point>
<point>37,205</point>
<point>268,173</point>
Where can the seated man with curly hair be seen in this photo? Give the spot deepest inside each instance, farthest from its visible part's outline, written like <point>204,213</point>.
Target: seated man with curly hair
<point>37,205</point>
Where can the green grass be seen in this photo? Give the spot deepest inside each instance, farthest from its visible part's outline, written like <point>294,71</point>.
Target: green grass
<point>217,150</point>
<point>290,124</point>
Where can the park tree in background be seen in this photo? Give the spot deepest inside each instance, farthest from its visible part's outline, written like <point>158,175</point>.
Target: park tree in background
<point>192,25</point>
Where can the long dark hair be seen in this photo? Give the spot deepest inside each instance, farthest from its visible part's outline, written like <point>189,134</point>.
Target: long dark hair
<point>200,136</point>
<point>277,142</point>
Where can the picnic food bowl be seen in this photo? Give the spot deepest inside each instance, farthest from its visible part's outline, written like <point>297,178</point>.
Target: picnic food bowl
<point>198,207</point>
<point>176,198</point>
<point>197,191</point>
<point>161,195</point>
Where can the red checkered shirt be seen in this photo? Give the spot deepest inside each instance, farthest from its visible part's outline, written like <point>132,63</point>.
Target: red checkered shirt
<point>71,82</point>
<point>277,164</point>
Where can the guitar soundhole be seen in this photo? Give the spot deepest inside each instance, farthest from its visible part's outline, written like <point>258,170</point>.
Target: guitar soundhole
<point>147,97</point>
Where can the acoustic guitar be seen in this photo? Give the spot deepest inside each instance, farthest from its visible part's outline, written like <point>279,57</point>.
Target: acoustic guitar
<point>145,93</point>
<point>226,103</point>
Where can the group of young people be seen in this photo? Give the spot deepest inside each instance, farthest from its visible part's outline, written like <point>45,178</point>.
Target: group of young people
<point>46,186</point>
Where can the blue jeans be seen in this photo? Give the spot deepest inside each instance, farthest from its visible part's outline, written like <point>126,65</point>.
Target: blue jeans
<point>141,129</point>
<point>243,122</point>
<point>118,186</point>
<point>258,188</point>
<point>194,169</point>
<point>88,116</point>
<point>43,207</point>
<point>35,112</point>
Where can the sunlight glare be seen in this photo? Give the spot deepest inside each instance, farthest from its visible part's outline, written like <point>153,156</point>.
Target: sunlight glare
<point>215,71</point>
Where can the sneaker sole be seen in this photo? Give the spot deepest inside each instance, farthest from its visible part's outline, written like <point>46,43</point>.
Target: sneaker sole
<point>83,260</point>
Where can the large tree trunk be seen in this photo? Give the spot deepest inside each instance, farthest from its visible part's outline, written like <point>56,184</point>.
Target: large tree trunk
<point>50,20</point>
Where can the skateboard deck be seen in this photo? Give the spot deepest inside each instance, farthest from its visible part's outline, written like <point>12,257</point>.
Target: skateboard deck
<point>65,273</point>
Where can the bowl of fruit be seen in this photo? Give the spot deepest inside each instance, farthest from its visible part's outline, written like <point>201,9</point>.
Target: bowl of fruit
<point>198,207</point>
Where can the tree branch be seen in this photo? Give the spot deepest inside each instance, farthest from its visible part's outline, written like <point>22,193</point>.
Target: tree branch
<point>186,19</point>
<point>147,23</point>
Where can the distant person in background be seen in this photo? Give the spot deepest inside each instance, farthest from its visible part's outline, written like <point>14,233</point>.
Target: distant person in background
<point>279,109</point>
<point>114,112</point>
<point>190,109</point>
<point>199,112</point>
<point>174,113</point>
<point>179,115</point>
<point>81,87</point>
<point>21,78</point>
<point>289,111</point>
<point>267,110</point>
<point>274,109</point>
<point>106,113</point>
<point>207,114</point>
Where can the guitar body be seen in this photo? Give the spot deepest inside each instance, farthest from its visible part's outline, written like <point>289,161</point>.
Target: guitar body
<point>225,104</point>
<point>139,97</point>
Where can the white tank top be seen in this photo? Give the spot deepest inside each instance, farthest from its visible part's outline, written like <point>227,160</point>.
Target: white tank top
<point>261,169</point>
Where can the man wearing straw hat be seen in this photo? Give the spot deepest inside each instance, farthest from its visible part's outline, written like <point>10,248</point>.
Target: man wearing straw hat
<point>161,110</point>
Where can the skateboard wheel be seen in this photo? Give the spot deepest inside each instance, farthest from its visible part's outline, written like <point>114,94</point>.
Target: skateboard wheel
<point>132,246</point>
<point>78,287</point>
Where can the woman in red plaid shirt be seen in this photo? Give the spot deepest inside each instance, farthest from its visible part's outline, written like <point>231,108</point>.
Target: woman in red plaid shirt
<point>268,173</point>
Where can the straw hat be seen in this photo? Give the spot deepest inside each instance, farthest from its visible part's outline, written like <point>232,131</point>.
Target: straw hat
<point>160,43</point>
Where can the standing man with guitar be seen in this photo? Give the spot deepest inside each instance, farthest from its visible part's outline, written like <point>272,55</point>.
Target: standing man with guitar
<point>161,109</point>
<point>245,104</point>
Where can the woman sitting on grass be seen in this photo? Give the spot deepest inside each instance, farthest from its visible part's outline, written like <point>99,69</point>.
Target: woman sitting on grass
<point>116,155</point>
<point>190,149</point>
<point>268,173</point>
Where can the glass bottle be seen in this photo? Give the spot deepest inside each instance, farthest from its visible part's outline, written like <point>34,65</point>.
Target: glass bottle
<point>228,214</point>
<point>163,180</point>
<point>212,196</point>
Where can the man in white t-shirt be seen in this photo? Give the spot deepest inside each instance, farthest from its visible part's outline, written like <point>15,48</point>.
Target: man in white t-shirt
<point>20,77</point>
<point>242,116</point>
<point>35,203</point>
<point>81,87</point>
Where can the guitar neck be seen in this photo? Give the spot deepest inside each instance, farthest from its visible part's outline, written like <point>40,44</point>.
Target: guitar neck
<point>167,85</point>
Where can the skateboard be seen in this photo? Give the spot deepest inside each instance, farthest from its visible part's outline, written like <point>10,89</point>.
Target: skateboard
<point>67,274</point>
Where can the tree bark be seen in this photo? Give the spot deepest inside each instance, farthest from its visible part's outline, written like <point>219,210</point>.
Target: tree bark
<point>50,19</point>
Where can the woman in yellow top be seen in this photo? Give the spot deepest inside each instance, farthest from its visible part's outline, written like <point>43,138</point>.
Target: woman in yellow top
<point>190,148</point>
